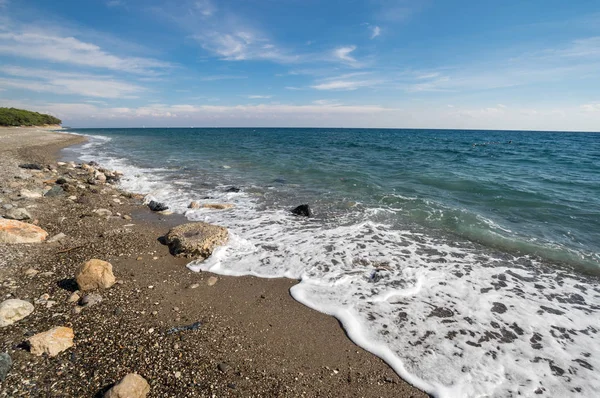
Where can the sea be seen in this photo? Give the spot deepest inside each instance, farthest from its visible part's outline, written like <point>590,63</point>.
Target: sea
<point>469,261</point>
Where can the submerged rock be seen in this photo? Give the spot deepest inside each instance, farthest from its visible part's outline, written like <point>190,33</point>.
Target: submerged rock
<point>52,342</point>
<point>157,206</point>
<point>95,274</point>
<point>13,310</point>
<point>302,210</point>
<point>197,239</point>
<point>12,231</point>
<point>233,189</point>
<point>130,386</point>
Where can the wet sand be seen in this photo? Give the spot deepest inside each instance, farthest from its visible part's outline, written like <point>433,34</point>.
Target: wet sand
<point>254,339</point>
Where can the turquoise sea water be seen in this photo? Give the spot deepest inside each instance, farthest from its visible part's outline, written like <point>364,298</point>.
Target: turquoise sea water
<point>468,260</point>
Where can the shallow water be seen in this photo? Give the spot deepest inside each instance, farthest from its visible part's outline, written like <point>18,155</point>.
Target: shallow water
<point>468,260</point>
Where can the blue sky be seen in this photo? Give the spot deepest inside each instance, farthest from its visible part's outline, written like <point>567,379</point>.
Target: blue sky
<point>371,63</point>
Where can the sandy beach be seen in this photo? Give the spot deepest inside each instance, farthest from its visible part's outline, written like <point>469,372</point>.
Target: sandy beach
<point>252,339</point>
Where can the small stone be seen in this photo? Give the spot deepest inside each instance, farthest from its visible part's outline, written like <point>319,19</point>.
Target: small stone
<point>223,367</point>
<point>157,206</point>
<point>103,212</point>
<point>60,164</point>
<point>55,191</point>
<point>18,214</point>
<point>31,272</point>
<point>139,258</point>
<point>52,342</point>
<point>14,310</point>
<point>127,217</point>
<point>56,238</point>
<point>95,274</point>
<point>61,180</point>
<point>5,365</point>
<point>73,197</point>
<point>77,310</point>
<point>89,300</point>
<point>212,281</point>
<point>194,286</point>
<point>130,386</point>
<point>74,297</point>
<point>177,375</point>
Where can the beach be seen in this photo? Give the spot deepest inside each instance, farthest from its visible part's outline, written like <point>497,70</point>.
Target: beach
<point>252,339</point>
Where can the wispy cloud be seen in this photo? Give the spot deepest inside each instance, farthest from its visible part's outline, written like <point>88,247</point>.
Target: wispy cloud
<point>242,45</point>
<point>60,83</point>
<point>114,3</point>
<point>343,85</point>
<point>343,54</point>
<point>205,7</point>
<point>50,46</point>
<point>375,31</point>
<point>259,96</point>
<point>590,107</point>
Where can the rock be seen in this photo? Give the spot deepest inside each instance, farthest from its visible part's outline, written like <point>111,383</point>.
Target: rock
<point>51,342</point>
<point>18,214</point>
<point>302,210</point>
<point>31,272</point>
<point>14,310</point>
<point>212,281</point>
<point>31,166</point>
<point>7,206</point>
<point>233,189</point>
<point>12,231</point>
<point>216,206</point>
<point>165,212</point>
<point>195,239</point>
<point>28,194</point>
<point>55,191</point>
<point>74,297</point>
<point>99,177</point>
<point>61,180</point>
<point>223,367</point>
<point>56,238</point>
<point>194,286</point>
<point>130,386</point>
<point>103,212</point>
<point>194,205</point>
<point>5,365</point>
<point>95,274</point>
<point>127,217</point>
<point>90,300</point>
<point>157,206</point>
<point>60,164</point>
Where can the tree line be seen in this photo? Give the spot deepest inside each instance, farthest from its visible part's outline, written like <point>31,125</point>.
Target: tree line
<point>21,117</point>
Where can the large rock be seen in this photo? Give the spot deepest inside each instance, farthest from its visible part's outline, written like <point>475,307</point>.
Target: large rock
<point>12,231</point>
<point>95,274</point>
<point>5,365</point>
<point>31,166</point>
<point>14,310</point>
<point>130,386</point>
<point>196,239</point>
<point>51,342</point>
<point>18,214</point>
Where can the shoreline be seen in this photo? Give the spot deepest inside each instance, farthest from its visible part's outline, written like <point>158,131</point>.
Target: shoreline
<point>255,339</point>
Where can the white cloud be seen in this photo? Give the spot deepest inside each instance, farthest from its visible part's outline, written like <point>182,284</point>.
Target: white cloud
<point>242,45</point>
<point>222,77</point>
<point>375,31</point>
<point>43,80</point>
<point>343,54</point>
<point>591,107</point>
<point>344,85</point>
<point>259,96</point>
<point>205,7</point>
<point>48,46</point>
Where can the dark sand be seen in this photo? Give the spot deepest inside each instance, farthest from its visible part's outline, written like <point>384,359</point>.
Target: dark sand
<point>255,340</point>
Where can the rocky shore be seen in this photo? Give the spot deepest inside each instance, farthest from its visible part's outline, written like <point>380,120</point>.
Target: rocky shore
<point>95,303</point>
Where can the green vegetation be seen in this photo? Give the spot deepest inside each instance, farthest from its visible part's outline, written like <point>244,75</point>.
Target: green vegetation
<point>21,117</point>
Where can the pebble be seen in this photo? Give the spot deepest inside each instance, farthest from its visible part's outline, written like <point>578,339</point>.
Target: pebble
<point>223,367</point>
<point>31,272</point>
<point>74,297</point>
<point>194,286</point>
<point>56,238</point>
<point>89,300</point>
<point>177,375</point>
<point>212,281</point>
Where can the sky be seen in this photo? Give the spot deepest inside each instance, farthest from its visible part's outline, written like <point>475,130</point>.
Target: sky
<point>512,64</point>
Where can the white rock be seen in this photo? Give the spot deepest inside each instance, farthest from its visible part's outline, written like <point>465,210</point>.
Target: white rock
<point>130,386</point>
<point>52,342</point>
<point>56,238</point>
<point>26,193</point>
<point>14,310</point>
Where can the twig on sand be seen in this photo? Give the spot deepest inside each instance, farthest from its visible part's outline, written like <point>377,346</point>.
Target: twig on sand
<point>69,249</point>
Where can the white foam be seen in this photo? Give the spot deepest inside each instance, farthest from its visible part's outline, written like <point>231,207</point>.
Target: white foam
<point>452,319</point>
